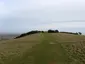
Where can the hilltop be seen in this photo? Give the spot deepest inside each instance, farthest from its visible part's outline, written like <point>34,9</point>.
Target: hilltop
<point>44,48</point>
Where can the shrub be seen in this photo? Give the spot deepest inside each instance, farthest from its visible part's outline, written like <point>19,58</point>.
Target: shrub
<point>70,33</point>
<point>57,31</point>
<point>53,31</point>
<point>29,33</point>
<point>80,33</point>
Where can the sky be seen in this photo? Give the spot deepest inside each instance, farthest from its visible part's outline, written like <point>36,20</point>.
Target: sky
<point>19,16</point>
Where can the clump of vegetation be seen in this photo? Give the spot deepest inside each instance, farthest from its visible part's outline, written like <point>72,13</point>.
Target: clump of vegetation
<point>29,33</point>
<point>34,32</point>
<point>49,31</point>
<point>79,33</point>
<point>53,31</point>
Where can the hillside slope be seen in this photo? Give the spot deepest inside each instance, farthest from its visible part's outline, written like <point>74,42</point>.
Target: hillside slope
<point>44,48</point>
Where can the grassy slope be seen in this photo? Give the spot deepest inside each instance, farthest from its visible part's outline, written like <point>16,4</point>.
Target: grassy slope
<point>55,48</point>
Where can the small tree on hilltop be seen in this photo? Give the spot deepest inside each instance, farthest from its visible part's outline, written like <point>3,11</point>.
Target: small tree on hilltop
<point>51,31</point>
<point>80,33</point>
<point>56,31</point>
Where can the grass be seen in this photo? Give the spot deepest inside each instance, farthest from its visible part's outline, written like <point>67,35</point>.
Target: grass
<point>76,52</point>
<point>44,48</point>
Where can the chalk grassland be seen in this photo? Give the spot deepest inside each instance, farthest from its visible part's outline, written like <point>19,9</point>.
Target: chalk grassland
<point>44,48</point>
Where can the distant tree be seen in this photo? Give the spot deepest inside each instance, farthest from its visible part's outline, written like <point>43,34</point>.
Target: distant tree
<point>76,33</point>
<point>28,33</point>
<point>79,33</point>
<point>22,35</point>
<point>56,31</point>
<point>42,31</point>
<point>51,31</point>
<point>70,33</point>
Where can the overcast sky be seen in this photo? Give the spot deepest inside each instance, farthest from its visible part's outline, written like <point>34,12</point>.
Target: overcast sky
<point>18,16</point>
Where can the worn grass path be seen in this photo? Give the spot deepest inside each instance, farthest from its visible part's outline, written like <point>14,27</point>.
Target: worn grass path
<point>49,51</point>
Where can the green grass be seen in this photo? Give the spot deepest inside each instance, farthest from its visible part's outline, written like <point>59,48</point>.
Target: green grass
<point>44,48</point>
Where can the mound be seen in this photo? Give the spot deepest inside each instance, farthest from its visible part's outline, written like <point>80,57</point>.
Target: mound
<point>44,48</point>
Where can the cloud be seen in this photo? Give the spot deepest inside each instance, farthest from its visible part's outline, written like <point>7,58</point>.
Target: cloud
<point>21,15</point>
<point>63,25</point>
<point>73,26</point>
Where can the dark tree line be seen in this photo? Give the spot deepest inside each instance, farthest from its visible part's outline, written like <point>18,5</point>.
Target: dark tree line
<point>28,33</point>
<point>49,31</point>
<point>53,31</point>
<point>34,32</point>
<point>77,33</point>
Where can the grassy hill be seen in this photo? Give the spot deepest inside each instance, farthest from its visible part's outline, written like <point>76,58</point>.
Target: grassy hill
<point>44,48</point>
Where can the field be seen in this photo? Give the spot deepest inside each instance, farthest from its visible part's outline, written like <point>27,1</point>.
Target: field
<point>44,48</point>
<point>7,36</point>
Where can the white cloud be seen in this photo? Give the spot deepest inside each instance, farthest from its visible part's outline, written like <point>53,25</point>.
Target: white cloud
<point>59,25</point>
<point>3,9</point>
<point>59,4</point>
<point>35,13</point>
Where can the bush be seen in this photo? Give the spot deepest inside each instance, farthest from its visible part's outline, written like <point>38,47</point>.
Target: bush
<point>80,33</point>
<point>57,31</point>
<point>70,33</point>
<point>29,33</point>
<point>53,31</point>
